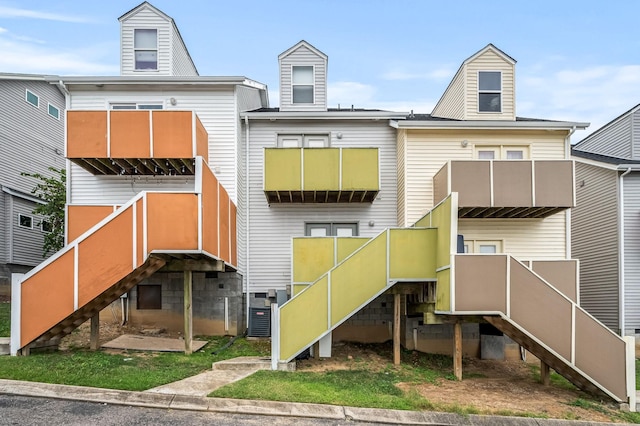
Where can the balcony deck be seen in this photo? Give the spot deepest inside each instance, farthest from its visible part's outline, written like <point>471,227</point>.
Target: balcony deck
<point>507,189</point>
<point>321,175</point>
<point>136,142</point>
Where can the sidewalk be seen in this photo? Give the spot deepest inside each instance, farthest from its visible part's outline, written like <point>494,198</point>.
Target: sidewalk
<point>267,408</point>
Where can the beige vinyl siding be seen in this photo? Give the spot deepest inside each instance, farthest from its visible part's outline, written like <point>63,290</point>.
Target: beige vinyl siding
<point>181,63</point>
<point>271,228</point>
<point>427,151</point>
<point>303,56</point>
<point>452,104</point>
<point>490,61</point>
<point>631,185</point>
<point>594,230</point>
<point>215,108</point>
<point>401,171</point>
<point>145,18</point>
<point>522,238</point>
<point>614,141</point>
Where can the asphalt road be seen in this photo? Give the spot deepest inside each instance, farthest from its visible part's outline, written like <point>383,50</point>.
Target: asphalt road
<point>22,410</point>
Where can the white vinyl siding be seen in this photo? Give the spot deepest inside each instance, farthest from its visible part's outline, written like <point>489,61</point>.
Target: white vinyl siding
<point>271,228</point>
<point>248,98</point>
<point>216,109</point>
<point>145,18</point>
<point>452,103</point>
<point>303,56</point>
<point>401,173</point>
<point>428,151</point>
<point>614,141</point>
<point>490,61</point>
<point>631,298</point>
<point>594,240</point>
<point>181,62</point>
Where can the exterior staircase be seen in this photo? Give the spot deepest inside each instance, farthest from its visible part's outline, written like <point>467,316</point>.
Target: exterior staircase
<point>119,252</point>
<point>517,298</point>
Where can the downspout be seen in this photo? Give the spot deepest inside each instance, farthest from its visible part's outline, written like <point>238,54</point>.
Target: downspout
<point>621,249</point>
<point>246,208</point>
<point>567,213</point>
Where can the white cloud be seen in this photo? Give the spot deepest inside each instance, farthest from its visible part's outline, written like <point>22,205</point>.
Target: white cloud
<point>3,30</point>
<point>591,94</point>
<point>27,58</point>
<point>12,12</point>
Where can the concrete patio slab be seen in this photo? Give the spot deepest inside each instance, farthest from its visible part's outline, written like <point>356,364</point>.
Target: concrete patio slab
<point>150,343</point>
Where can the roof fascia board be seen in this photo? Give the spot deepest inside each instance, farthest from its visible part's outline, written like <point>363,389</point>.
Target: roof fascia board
<point>596,163</point>
<point>609,124</point>
<point>22,195</point>
<point>493,48</point>
<point>321,115</point>
<point>143,5</point>
<point>305,44</point>
<point>487,124</point>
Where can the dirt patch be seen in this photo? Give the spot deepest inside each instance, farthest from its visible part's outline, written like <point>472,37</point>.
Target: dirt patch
<point>489,387</point>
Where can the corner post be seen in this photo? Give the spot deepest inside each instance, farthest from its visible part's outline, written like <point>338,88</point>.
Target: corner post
<point>16,306</point>
<point>396,328</point>
<point>457,349</point>
<point>275,336</point>
<point>95,332</point>
<point>188,313</point>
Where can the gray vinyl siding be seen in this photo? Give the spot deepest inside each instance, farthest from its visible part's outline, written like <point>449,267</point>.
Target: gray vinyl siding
<point>613,141</point>
<point>248,98</point>
<point>595,241</point>
<point>145,18</point>
<point>303,56</point>
<point>631,188</point>
<point>180,59</point>
<point>4,221</point>
<point>271,228</point>
<point>26,243</point>
<point>635,131</point>
<point>216,109</point>
<point>29,136</point>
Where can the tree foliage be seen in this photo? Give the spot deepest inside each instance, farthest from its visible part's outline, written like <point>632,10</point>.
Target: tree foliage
<point>53,191</point>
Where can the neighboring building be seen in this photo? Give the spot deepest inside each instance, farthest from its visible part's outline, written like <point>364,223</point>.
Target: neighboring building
<point>605,227</point>
<point>31,141</point>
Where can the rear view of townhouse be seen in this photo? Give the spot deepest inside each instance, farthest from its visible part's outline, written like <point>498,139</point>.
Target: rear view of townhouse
<point>31,141</point>
<point>606,230</point>
<point>209,211</point>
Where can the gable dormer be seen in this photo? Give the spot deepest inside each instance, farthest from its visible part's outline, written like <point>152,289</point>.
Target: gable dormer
<point>303,78</point>
<point>482,89</point>
<point>151,44</point>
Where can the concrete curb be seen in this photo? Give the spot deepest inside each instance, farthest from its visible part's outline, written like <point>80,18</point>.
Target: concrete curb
<point>267,408</point>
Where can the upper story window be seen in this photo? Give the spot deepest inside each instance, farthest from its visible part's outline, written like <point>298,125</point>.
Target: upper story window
<point>54,112</point>
<point>489,91</point>
<point>32,98</point>
<point>145,47</point>
<point>331,229</point>
<point>302,84</point>
<point>501,152</point>
<point>303,141</point>
<point>134,105</point>
<point>25,221</point>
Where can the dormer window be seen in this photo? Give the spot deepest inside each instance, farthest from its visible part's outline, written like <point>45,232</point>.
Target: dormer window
<point>302,82</point>
<point>489,91</point>
<point>145,47</point>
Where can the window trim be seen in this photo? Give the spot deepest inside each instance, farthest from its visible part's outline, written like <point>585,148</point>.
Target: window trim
<point>42,222</point>
<point>331,226</point>
<point>136,106</point>
<point>313,84</point>
<point>20,225</point>
<point>303,139</point>
<point>476,242</point>
<point>499,92</point>
<point>501,151</point>
<point>26,98</point>
<point>49,106</point>
<point>145,49</point>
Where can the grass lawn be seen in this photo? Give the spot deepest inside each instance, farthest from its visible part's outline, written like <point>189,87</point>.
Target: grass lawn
<point>134,371</point>
<point>5,319</point>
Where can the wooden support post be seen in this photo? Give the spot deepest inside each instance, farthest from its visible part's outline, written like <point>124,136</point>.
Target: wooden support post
<point>457,350</point>
<point>188,313</point>
<point>396,329</point>
<point>316,350</point>
<point>544,373</point>
<point>95,332</point>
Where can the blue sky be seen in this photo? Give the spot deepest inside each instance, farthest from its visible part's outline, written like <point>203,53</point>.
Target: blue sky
<point>577,60</point>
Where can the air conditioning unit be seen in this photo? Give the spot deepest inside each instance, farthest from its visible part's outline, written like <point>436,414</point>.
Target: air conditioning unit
<point>259,322</point>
